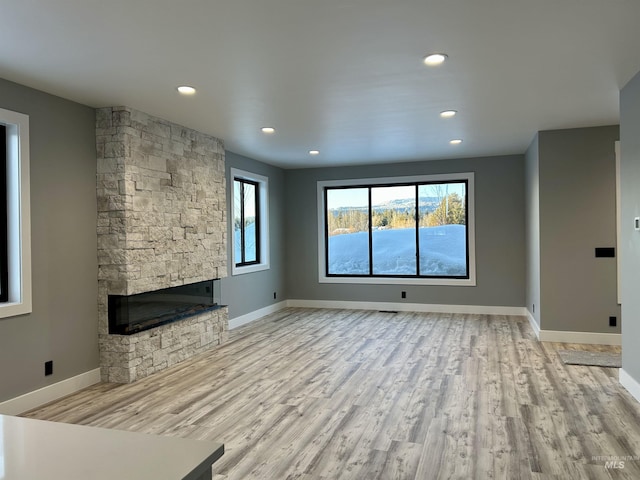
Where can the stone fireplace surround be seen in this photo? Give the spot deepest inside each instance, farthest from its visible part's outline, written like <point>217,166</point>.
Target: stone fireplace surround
<point>161,223</point>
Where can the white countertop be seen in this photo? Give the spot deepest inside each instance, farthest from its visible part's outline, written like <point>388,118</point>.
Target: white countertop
<point>36,449</point>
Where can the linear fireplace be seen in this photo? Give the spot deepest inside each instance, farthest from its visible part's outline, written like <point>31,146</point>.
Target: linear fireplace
<point>130,314</point>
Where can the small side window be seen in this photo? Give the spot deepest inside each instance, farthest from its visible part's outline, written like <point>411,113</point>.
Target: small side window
<point>250,222</point>
<point>15,232</point>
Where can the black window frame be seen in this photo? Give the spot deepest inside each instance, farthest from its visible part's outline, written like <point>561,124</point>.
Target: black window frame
<point>415,184</point>
<point>243,263</point>
<point>4,251</point>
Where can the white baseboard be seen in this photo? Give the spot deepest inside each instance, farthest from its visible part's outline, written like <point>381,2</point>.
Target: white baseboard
<point>542,335</point>
<point>580,337</point>
<point>572,337</point>
<point>408,307</point>
<point>47,394</point>
<point>256,314</point>
<point>534,325</point>
<point>628,382</point>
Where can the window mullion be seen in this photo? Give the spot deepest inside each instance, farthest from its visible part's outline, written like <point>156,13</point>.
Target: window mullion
<point>4,255</point>
<point>243,234</point>
<point>370,234</point>
<point>326,231</point>
<point>466,222</point>
<point>257,220</point>
<point>417,217</point>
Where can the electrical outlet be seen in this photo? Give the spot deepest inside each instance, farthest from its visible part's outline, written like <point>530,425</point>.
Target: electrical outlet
<point>274,295</point>
<point>48,368</point>
<point>404,294</point>
<point>613,321</point>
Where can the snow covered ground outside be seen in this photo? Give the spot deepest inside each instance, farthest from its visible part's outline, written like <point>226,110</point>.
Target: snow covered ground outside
<point>250,243</point>
<point>442,252</point>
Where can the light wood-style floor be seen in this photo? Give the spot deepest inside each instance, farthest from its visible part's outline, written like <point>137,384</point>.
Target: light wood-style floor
<point>342,394</point>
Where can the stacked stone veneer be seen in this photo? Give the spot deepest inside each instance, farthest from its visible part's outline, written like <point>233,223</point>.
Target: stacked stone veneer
<point>161,223</point>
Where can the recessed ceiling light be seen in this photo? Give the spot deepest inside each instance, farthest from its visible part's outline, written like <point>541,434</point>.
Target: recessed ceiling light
<point>314,152</point>
<point>186,90</point>
<point>448,113</point>
<point>457,141</point>
<point>268,130</point>
<point>434,59</point>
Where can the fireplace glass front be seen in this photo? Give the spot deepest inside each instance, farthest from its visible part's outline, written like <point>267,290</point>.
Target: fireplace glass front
<point>134,313</point>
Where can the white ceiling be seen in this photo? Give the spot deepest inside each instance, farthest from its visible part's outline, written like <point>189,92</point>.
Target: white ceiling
<point>342,76</point>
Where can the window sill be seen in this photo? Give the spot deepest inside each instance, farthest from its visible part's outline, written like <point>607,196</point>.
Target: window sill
<point>453,282</point>
<point>13,309</point>
<point>249,269</point>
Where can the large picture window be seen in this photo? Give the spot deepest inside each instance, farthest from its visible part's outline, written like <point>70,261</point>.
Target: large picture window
<point>249,222</point>
<point>398,230</point>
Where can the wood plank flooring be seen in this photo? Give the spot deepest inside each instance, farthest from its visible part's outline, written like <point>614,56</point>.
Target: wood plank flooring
<point>314,394</point>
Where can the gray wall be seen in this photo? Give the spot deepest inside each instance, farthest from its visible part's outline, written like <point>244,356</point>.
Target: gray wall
<point>577,214</point>
<point>252,291</point>
<point>532,207</point>
<point>630,239</point>
<point>63,325</point>
<point>500,242</point>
